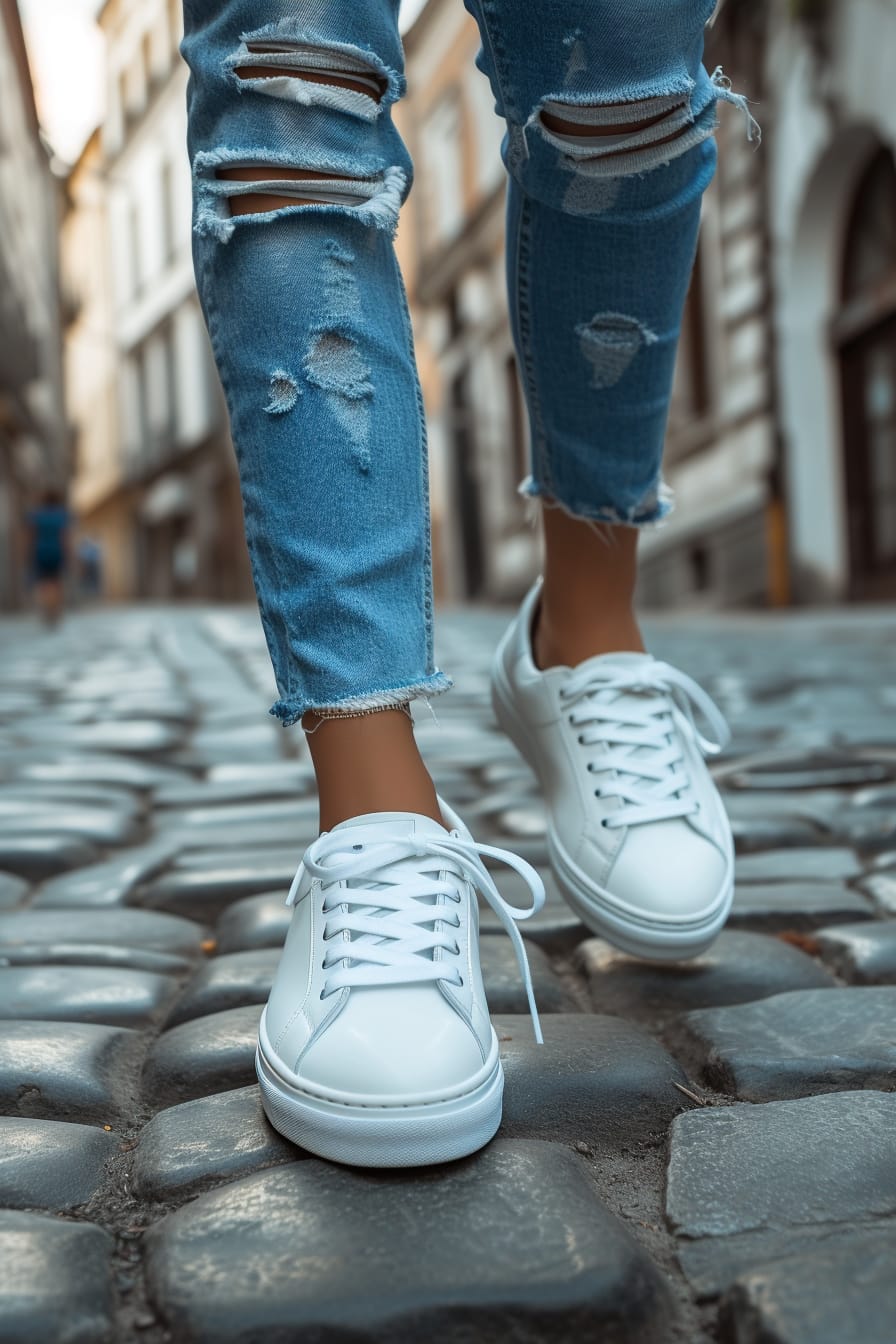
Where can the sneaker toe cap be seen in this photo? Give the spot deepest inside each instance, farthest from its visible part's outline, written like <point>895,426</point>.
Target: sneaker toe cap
<point>666,870</point>
<point>394,1044</point>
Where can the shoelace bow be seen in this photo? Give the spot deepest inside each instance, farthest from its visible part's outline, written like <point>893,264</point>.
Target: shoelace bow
<point>391,943</point>
<point>626,731</point>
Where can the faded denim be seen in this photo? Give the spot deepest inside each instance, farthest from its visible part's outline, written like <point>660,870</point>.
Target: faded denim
<point>308,319</point>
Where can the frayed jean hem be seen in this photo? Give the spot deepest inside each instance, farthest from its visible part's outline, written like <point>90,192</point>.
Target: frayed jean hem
<point>290,711</point>
<point>649,513</point>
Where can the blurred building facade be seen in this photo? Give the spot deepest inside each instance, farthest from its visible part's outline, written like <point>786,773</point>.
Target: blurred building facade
<point>781,444</point>
<point>33,450</point>
<point>155,478</point>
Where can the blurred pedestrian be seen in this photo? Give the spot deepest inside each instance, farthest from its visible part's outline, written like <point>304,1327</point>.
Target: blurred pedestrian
<point>375,1045</point>
<point>49,548</point>
<point>90,568</point>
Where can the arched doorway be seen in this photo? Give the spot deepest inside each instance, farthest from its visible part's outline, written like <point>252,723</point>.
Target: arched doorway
<point>865,335</point>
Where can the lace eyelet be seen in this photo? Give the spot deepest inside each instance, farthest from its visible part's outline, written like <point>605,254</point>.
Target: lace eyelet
<point>456,951</point>
<point>581,740</point>
<point>604,823</point>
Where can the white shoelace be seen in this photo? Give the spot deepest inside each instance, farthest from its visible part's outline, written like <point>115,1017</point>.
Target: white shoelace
<point>650,783</point>
<point>390,917</point>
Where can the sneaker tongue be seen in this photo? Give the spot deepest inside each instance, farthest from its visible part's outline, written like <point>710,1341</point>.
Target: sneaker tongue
<point>376,825</point>
<point>627,661</point>
<point>371,827</point>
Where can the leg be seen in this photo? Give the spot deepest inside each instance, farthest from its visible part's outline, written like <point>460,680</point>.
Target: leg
<point>578,564</point>
<point>298,177</point>
<point>49,600</point>
<point>609,148</point>
<point>375,1046</point>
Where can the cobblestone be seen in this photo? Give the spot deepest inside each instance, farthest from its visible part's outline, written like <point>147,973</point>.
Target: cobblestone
<point>738,968</point>
<point>55,1280</point>
<point>231,981</point>
<point>794,1044</point>
<point>843,1290</point>
<point>108,883</point>
<point>773,906</point>
<point>602,1082</point>
<point>51,1164</point>
<point>863,954</point>
<point>151,819</point>
<point>749,1183</point>
<point>37,856</point>
<point>208,1054</point>
<point>130,928</point>
<point>119,997</point>
<point>188,1147</point>
<point>253,922</point>
<point>207,1260</point>
<point>12,890</point>
<point>794,865</point>
<point>66,1070</point>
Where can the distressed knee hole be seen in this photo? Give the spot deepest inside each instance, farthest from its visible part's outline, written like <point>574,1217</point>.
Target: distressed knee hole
<point>369,85</point>
<point>610,130</point>
<point>238,189</point>
<point>613,140</point>
<point>284,187</point>
<point>301,72</point>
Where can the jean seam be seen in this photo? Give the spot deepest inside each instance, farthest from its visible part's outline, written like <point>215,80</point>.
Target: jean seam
<point>540,461</point>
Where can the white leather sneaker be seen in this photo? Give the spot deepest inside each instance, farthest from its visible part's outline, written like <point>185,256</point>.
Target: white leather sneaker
<point>375,1047</point>
<point>638,837</point>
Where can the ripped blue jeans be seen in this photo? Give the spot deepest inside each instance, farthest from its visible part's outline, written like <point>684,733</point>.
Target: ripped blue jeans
<point>308,319</point>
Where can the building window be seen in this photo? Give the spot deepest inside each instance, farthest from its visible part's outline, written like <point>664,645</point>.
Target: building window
<point>869,257</point>
<point>866,334</point>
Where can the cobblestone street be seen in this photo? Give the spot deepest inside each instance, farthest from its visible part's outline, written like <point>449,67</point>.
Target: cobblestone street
<point>700,1152</point>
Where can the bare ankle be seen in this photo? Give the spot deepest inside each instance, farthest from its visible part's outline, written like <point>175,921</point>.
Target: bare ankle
<point>369,763</point>
<point>573,638</point>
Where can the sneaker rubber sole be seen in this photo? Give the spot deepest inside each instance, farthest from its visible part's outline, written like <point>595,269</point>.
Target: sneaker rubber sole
<point>381,1136</point>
